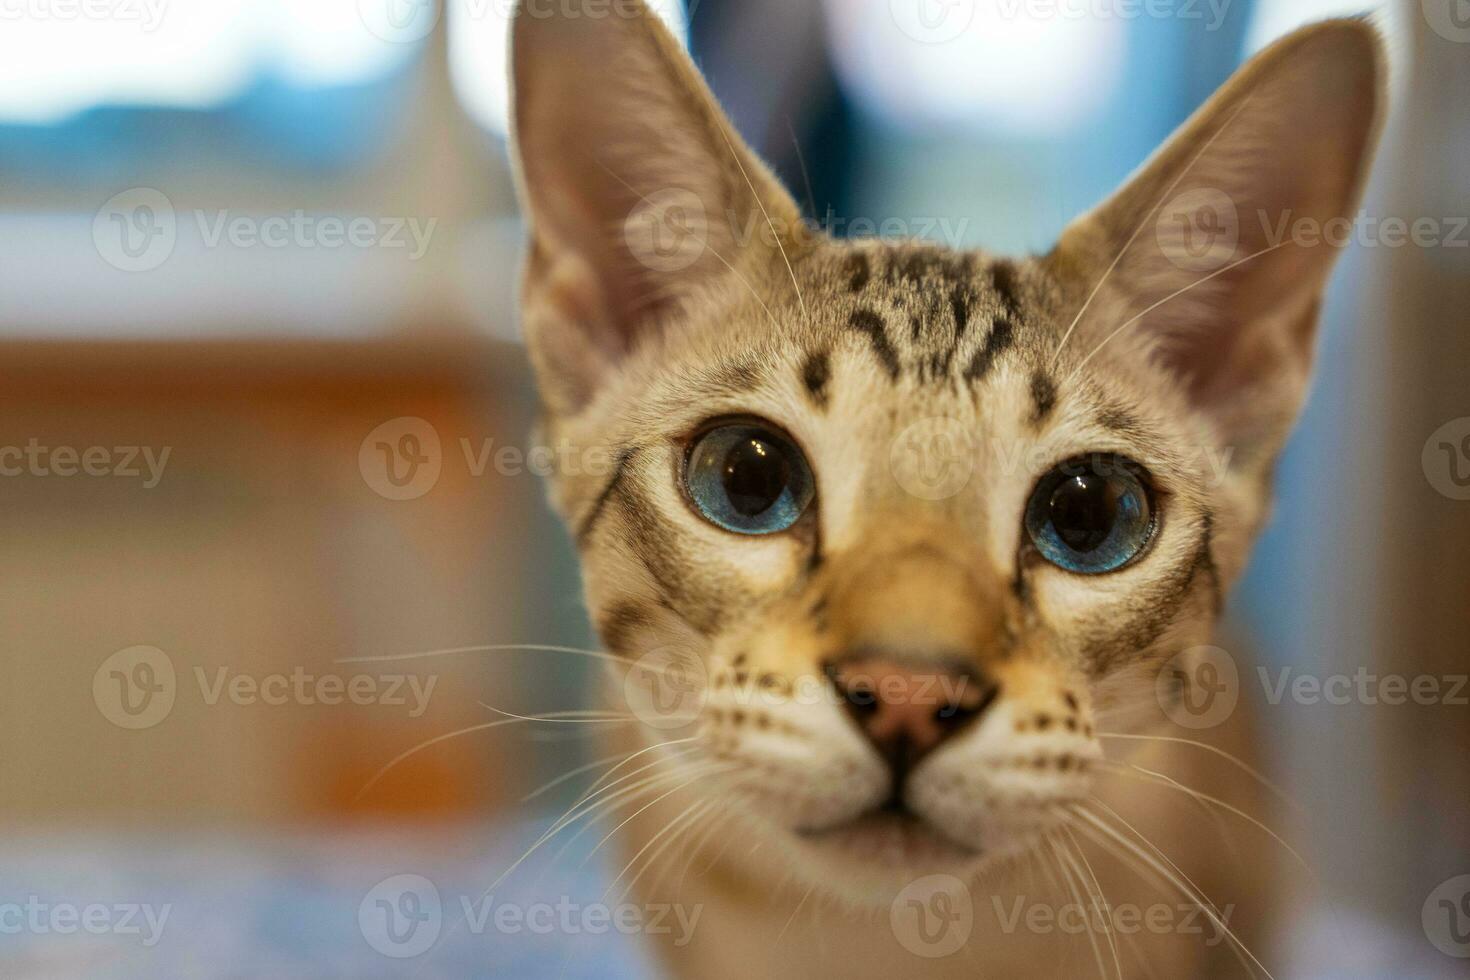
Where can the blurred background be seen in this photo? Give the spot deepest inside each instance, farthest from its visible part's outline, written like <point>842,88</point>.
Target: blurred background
<point>247,244</point>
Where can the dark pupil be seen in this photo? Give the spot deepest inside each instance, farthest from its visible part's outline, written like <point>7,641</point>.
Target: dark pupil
<point>754,476</point>
<point>1083,511</point>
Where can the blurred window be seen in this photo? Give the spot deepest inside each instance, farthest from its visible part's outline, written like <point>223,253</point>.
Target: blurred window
<point>478,45</point>
<point>81,81</point>
<point>1006,65</point>
<point>1277,17</point>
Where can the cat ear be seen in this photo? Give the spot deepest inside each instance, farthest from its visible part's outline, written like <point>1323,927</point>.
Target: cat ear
<point>1213,258</point>
<point>637,189</point>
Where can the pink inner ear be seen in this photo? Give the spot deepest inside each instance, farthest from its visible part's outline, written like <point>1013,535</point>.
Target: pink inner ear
<point>1223,240</point>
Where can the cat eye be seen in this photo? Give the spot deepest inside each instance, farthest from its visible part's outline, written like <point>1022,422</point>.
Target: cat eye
<point>1092,515</point>
<point>747,478</point>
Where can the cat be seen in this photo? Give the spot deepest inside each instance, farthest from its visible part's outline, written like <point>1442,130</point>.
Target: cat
<point>899,539</point>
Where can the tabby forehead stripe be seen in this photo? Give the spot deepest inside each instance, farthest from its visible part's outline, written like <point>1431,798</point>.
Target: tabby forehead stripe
<point>1043,397</point>
<point>1002,335</point>
<point>816,371</point>
<point>858,272</point>
<point>1003,278</point>
<point>959,304</point>
<point>619,470</point>
<point>871,325</point>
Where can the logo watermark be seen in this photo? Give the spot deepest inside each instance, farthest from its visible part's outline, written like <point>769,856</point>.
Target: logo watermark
<point>1450,19</point>
<point>136,230</point>
<point>667,687</point>
<point>933,916</point>
<point>933,459</point>
<point>137,688</point>
<point>1446,459</point>
<point>403,458</point>
<point>1199,230</point>
<point>668,230</point>
<point>1211,12</point>
<point>1446,917</point>
<point>147,14</point>
<point>145,463</point>
<point>1100,918</point>
<point>37,917</point>
<point>1199,687</point>
<point>403,916</point>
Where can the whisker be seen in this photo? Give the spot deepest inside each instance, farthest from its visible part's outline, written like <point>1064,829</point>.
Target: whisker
<point>1207,798</point>
<point>1214,750</point>
<point>688,818</point>
<point>565,717</point>
<point>435,741</point>
<point>769,223</point>
<point>795,912</point>
<point>806,179</point>
<point>570,817</point>
<point>1096,893</point>
<point>708,247</point>
<point>1067,874</point>
<point>483,648</point>
<point>711,769</point>
<point>1182,880</point>
<point>572,774</point>
<point>1174,295</point>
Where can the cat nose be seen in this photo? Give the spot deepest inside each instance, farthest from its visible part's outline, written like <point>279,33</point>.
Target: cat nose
<point>907,708</point>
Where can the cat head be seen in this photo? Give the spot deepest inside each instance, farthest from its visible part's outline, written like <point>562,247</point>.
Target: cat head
<point>882,527</point>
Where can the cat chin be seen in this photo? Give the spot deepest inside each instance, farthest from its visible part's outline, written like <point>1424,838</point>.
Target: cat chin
<point>870,860</point>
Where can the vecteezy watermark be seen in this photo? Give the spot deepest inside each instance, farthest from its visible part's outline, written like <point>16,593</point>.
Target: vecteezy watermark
<point>1211,12</point>
<point>934,458</point>
<point>402,458</point>
<point>1365,230</point>
<point>1078,919</point>
<point>147,14</point>
<point>1446,917</point>
<point>1200,688</point>
<point>403,916</point>
<point>933,916</point>
<point>1450,19</point>
<point>668,230</point>
<point>37,917</point>
<point>667,687</point>
<point>138,229</point>
<point>302,230</point>
<point>137,687</point>
<point>770,229</point>
<point>933,21</point>
<point>145,463</point>
<point>1446,459</point>
<point>1199,229</point>
<point>1364,687</point>
<point>399,21</point>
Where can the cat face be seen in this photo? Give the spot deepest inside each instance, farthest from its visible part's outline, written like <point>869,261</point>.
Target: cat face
<point>890,530</point>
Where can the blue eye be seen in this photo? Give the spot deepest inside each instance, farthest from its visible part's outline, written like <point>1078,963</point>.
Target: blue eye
<point>748,479</point>
<point>1091,515</point>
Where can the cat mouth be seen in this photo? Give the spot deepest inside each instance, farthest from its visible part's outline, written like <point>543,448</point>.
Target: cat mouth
<point>892,836</point>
